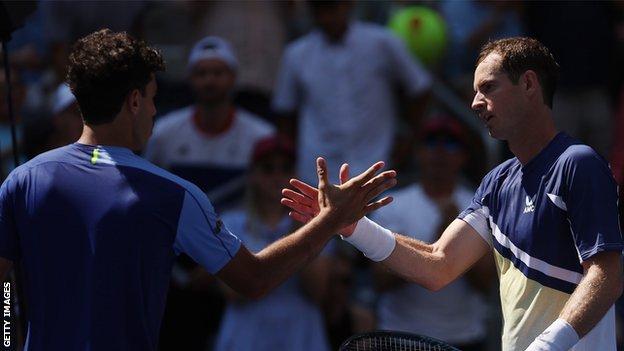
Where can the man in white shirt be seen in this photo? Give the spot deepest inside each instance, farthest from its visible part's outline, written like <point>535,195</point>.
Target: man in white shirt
<point>341,81</point>
<point>210,142</point>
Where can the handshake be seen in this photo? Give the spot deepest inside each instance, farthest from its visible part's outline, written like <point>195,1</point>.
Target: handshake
<point>340,206</point>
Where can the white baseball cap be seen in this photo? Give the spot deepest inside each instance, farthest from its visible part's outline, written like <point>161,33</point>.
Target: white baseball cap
<point>213,48</point>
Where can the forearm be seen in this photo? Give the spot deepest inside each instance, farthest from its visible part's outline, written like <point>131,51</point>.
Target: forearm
<point>596,293</point>
<point>284,257</point>
<point>592,298</point>
<point>417,262</point>
<point>433,265</point>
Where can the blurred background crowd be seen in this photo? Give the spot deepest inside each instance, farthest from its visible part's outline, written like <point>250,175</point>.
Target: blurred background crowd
<point>255,90</point>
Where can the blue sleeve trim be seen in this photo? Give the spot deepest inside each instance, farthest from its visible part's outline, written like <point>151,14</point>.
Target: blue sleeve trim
<point>601,248</point>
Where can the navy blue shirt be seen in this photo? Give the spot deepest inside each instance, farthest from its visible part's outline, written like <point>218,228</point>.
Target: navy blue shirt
<point>97,230</point>
<point>543,220</point>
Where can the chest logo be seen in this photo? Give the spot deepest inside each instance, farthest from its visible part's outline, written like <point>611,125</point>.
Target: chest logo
<point>529,206</point>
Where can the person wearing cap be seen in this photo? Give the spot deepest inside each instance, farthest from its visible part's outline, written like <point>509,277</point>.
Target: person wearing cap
<point>423,210</point>
<point>288,318</point>
<point>62,127</point>
<point>210,142</point>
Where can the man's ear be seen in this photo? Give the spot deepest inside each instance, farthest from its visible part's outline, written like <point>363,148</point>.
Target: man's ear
<point>531,83</point>
<point>133,101</point>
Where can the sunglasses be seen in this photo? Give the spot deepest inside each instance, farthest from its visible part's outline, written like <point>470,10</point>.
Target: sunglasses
<point>275,167</point>
<point>448,143</point>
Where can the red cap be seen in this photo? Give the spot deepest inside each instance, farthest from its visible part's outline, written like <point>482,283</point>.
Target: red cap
<point>271,145</point>
<point>443,124</point>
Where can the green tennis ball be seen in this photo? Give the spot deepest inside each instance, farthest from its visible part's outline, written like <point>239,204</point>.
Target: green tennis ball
<point>423,30</point>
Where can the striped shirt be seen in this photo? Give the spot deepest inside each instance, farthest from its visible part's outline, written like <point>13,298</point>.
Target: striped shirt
<point>543,220</point>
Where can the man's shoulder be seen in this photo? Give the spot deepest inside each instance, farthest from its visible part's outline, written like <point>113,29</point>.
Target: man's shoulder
<point>59,155</point>
<point>372,30</point>
<point>153,170</point>
<point>300,45</point>
<point>254,123</point>
<point>173,119</point>
<point>579,153</point>
<point>501,169</point>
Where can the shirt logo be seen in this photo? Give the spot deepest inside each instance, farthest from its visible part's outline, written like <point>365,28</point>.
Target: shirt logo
<point>529,206</point>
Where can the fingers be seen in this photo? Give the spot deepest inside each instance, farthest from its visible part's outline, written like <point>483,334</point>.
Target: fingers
<point>344,173</point>
<point>379,184</point>
<point>387,184</point>
<point>377,204</point>
<point>299,217</point>
<point>297,197</point>
<point>305,189</point>
<point>302,209</point>
<point>368,174</point>
<point>321,171</point>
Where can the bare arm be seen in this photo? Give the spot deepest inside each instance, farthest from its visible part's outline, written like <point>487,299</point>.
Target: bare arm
<point>430,265</point>
<point>596,293</point>
<point>254,275</point>
<point>435,265</point>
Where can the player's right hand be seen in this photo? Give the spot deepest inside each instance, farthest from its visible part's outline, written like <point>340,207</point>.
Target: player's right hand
<point>346,203</point>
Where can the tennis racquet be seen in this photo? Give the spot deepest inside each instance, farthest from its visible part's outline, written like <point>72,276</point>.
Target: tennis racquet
<point>394,341</point>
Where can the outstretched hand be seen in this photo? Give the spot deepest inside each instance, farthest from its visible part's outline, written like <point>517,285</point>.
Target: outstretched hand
<point>345,203</point>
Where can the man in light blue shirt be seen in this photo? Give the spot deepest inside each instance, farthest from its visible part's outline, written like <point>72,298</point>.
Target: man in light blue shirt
<point>96,228</point>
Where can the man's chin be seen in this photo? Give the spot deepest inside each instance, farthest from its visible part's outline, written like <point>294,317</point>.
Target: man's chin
<point>495,134</point>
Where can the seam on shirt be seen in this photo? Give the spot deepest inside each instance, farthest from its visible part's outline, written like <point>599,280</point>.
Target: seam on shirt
<point>601,248</point>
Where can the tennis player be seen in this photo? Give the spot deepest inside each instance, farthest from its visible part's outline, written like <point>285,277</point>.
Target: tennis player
<point>96,228</point>
<point>549,214</point>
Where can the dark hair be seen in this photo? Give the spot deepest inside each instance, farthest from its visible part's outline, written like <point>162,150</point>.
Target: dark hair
<point>522,54</point>
<point>104,67</point>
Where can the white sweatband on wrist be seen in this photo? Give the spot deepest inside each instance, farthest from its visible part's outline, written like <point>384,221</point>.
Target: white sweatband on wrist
<point>559,336</point>
<point>375,241</point>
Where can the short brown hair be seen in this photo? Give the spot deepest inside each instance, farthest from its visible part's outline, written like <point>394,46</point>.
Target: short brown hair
<point>521,54</point>
<point>104,67</point>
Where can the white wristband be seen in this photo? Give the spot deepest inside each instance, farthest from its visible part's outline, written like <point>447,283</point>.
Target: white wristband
<point>375,241</point>
<point>559,336</point>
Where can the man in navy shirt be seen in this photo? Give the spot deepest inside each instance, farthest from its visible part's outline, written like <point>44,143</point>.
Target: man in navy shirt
<point>549,215</point>
<point>96,228</point>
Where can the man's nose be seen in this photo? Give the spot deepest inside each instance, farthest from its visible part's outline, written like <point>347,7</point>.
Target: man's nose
<point>478,102</point>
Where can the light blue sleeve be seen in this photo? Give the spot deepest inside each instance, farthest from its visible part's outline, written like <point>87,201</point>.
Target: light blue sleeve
<point>202,235</point>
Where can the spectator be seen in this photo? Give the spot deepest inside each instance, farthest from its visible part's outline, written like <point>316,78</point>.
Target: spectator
<point>340,80</point>
<point>258,47</point>
<point>60,127</point>
<point>209,142</point>
<point>456,313</point>
<point>289,318</point>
